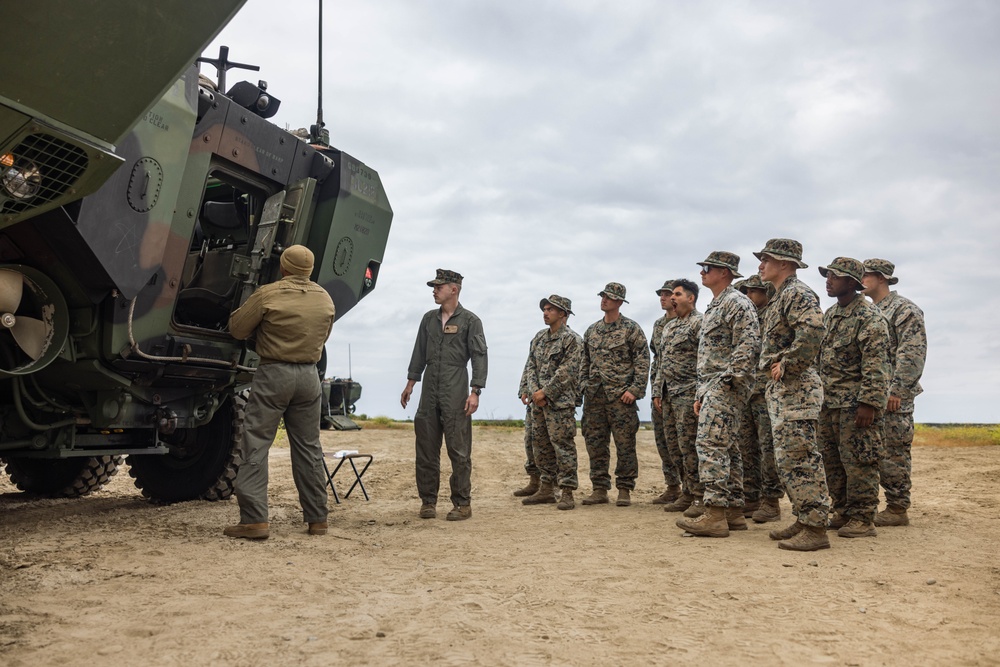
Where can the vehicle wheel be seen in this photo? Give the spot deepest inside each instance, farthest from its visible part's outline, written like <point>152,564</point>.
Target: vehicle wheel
<point>62,478</point>
<point>202,462</point>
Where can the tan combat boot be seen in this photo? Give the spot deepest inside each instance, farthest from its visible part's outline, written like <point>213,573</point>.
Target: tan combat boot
<point>711,523</point>
<point>318,528</point>
<point>543,496</point>
<point>750,508</point>
<point>836,521</point>
<point>682,503</point>
<point>624,498</point>
<point>530,489</point>
<point>598,497</point>
<point>768,511</point>
<point>857,528</point>
<point>787,533</point>
<point>460,513</point>
<point>735,518</point>
<point>428,511</point>
<point>566,499</point>
<point>670,495</point>
<point>248,531</point>
<point>697,508</point>
<point>891,516</point>
<point>810,538</point>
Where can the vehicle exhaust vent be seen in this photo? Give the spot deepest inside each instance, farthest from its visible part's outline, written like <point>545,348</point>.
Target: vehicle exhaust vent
<point>37,171</point>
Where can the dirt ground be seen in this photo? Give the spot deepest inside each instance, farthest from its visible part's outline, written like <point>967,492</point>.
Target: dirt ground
<point>111,579</point>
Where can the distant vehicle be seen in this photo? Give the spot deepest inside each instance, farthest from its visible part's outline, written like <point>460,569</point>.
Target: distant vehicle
<point>340,396</point>
<point>140,204</point>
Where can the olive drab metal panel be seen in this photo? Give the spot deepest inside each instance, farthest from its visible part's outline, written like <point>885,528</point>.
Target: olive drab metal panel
<point>99,67</point>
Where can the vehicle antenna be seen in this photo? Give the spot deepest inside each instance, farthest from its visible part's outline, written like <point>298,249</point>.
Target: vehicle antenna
<point>318,134</point>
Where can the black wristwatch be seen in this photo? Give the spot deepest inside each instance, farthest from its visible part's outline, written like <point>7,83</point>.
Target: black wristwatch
<point>477,390</point>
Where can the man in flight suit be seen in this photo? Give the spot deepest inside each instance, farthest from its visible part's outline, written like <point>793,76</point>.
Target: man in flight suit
<point>448,338</point>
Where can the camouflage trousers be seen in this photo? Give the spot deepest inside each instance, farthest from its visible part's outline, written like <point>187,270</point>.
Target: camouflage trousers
<point>601,420</point>
<point>553,432</point>
<point>681,408</point>
<point>529,454</point>
<point>760,475</point>
<point>850,458</point>
<point>894,461</point>
<point>665,434</point>
<point>719,445</point>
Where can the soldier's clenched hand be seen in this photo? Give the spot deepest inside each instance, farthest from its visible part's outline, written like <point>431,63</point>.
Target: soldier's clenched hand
<point>628,398</point>
<point>865,415</point>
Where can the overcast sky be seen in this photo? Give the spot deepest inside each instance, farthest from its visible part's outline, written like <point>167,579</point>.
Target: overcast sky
<point>543,147</point>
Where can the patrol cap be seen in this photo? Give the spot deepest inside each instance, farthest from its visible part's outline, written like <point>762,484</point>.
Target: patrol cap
<point>444,276</point>
<point>883,266</point>
<point>724,259</point>
<point>668,286</point>
<point>614,291</point>
<point>560,302</point>
<point>297,260</point>
<point>844,267</point>
<point>786,250</point>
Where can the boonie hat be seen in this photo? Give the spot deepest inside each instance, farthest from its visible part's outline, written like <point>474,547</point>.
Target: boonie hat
<point>297,260</point>
<point>755,282</point>
<point>787,250</point>
<point>724,259</point>
<point>614,291</point>
<point>844,267</point>
<point>668,286</point>
<point>560,302</point>
<point>444,276</point>
<point>883,266</point>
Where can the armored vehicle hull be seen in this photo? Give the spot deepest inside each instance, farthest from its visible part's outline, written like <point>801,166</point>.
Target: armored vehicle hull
<point>128,234</point>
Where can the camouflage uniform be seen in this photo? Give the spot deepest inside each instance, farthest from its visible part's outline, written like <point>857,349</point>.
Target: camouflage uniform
<point>728,350</point>
<point>760,476</point>
<point>553,365</point>
<point>615,360</point>
<point>664,424</point>
<point>907,352</point>
<point>792,334</point>
<point>675,385</point>
<point>854,366</point>
<point>529,454</point>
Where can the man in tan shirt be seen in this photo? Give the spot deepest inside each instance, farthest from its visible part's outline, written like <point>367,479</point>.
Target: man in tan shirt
<point>291,319</point>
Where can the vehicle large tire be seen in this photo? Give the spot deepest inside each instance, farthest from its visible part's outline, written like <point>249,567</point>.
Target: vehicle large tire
<point>62,478</point>
<point>202,463</point>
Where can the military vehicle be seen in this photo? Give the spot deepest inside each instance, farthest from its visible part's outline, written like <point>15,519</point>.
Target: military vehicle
<point>140,204</point>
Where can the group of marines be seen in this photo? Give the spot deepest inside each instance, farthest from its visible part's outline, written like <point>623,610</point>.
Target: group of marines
<point>761,395</point>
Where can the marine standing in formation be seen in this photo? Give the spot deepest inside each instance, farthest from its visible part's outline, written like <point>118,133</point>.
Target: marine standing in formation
<point>854,367</point>
<point>793,332</point>
<point>664,426</point>
<point>674,390</point>
<point>614,375</point>
<point>728,350</point>
<point>761,486</point>
<point>907,353</point>
<point>449,338</point>
<point>551,382</point>
<point>291,319</point>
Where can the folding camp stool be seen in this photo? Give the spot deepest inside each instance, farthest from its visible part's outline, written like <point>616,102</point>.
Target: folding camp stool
<point>358,474</point>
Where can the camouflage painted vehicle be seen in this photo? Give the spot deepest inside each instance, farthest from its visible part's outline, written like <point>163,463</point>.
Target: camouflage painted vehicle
<point>140,206</point>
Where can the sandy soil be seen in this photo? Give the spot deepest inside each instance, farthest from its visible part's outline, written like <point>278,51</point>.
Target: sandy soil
<point>111,579</point>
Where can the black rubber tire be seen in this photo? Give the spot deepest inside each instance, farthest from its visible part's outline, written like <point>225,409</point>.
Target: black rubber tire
<point>204,461</point>
<point>62,478</point>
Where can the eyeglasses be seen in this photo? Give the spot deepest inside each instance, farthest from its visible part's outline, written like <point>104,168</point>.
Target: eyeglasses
<point>706,268</point>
